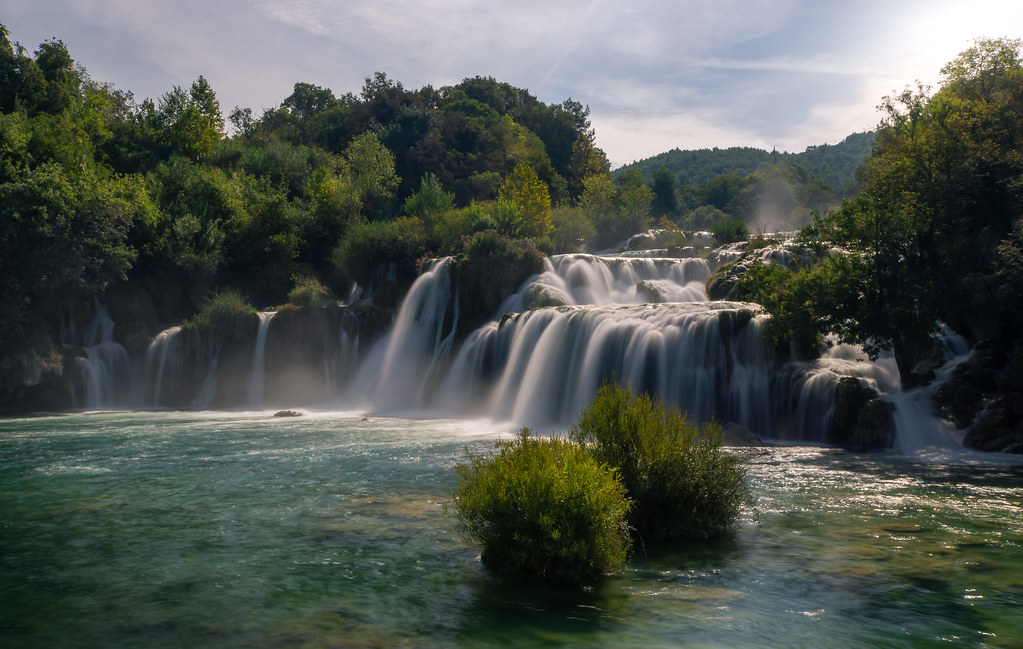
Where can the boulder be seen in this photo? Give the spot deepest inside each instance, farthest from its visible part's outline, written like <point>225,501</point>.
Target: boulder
<point>735,435</point>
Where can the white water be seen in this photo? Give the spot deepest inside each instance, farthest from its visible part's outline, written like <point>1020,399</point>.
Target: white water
<point>162,349</point>
<point>400,368</point>
<point>551,344</point>
<point>257,378</point>
<point>106,366</point>
<point>920,430</point>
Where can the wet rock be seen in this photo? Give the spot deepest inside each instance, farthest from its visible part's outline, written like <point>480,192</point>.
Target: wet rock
<point>650,293</point>
<point>873,428</point>
<point>964,396</point>
<point>862,419</point>
<point>735,435</point>
<point>287,413</point>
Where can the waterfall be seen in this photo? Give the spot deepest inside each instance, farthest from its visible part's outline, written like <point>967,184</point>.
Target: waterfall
<point>544,365</point>
<point>160,351</point>
<point>585,318</point>
<point>257,378</point>
<point>917,427</point>
<point>588,279</point>
<point>582,320</point>
<point>105,370</point>
<point>397,373</point>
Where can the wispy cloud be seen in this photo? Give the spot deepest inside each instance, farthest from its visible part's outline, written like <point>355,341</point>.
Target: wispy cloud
<point>657,74</point>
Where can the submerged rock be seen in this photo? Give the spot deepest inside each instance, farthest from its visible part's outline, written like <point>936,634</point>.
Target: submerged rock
<point>735,435</point>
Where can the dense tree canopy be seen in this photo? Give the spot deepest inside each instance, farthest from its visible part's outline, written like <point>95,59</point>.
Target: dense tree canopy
<point>100,189</point>
<point>938,217</point>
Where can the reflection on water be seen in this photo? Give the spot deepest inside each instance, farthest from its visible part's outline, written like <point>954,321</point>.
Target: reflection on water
<point>241,530</point>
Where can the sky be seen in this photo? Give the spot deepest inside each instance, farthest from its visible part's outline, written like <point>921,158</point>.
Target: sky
<point>656,74</point>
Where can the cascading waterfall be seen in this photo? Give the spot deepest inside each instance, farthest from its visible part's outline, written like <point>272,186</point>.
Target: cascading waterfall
<point>588,279</point>
<point>918,428</point>
<point>399,370</point>
<point>105,369</point>
<point>543,365</point>
<point>540,366</point>
<point>162,350</point>
<point>257,377</point>
<point>585,318</point>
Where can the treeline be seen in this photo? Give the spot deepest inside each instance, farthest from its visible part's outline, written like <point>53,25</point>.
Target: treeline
<point>833,164</point>
<point>935,236</point>
<point>767,190</point>
<point>98,189</point>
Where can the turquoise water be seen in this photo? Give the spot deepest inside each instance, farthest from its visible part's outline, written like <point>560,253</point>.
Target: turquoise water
<point>242,530</point>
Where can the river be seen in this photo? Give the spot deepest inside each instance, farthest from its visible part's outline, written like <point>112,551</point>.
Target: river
<point>200,529</point>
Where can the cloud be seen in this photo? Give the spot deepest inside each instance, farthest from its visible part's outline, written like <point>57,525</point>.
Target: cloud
<point>656,74</point>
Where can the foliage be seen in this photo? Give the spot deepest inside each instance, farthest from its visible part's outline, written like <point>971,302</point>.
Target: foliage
<point>63,236</point>
<point>491,267</point>
<point>309,293</point>
<point>730,230</point>
<point>940,195</point>
<point>682,484</point>
<point>525,189</point>
<point>573,229</point>
<point>431,199</point>
<point>369,246</point>
<point>368,167</point>
<point>543,508</point>
<point>666,198</point>
<point>228,315</point>
<point>805,304</point>
<point>618,210</point>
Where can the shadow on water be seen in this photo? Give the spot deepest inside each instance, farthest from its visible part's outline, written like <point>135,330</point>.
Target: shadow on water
<point>523,612</point>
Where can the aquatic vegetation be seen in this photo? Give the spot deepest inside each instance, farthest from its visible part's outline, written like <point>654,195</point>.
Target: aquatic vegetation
<point>544,508</point>
<point>682,483</point>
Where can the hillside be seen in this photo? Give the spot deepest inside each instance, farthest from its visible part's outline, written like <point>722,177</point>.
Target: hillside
<point>834,164</point>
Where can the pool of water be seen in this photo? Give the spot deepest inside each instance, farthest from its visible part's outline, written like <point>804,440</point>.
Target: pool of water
<point>328,530</point>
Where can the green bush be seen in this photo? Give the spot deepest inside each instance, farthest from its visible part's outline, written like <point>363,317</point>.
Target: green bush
<point>543,508</point>
<point>491,267</point>
<point>227,314</point>
<point>730,230</point>
<point>369,245</point>
<point>682,484</point>
<point>309,293</point>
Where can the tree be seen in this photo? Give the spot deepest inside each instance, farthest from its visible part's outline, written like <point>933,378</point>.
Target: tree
<point>368,166</point>
<point>940,193</point>
<point>524,188</point>
<point>431,199</point>
<point>378,84</point>
<point>665,202</point>
<point>587,160</point>
<point>64,235</point>
<point>189,124</point>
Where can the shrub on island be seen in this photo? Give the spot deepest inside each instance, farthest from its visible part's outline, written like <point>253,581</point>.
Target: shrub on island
<point>682,484</point>
<point>226,314</point>
<point>543,508</point>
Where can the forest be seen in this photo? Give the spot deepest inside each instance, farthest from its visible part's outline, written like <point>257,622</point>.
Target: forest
<point>170,201</point>
<point>100,189</point>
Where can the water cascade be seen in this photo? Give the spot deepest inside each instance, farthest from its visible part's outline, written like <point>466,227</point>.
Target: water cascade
<point>257,378</point>
<point>584,319</point>
<point>539,367</point>
<point>402,365</point>
<point>105,370</point>
<point>161,350</point>
<point>918,428</point>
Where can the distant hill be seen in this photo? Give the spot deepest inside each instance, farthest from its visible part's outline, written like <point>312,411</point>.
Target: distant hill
<point>834,164</point>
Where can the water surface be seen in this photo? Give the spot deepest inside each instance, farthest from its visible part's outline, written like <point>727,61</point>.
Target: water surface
<point>244,530</point>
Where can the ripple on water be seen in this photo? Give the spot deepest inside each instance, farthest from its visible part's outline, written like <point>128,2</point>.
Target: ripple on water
<point>238,530</point>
